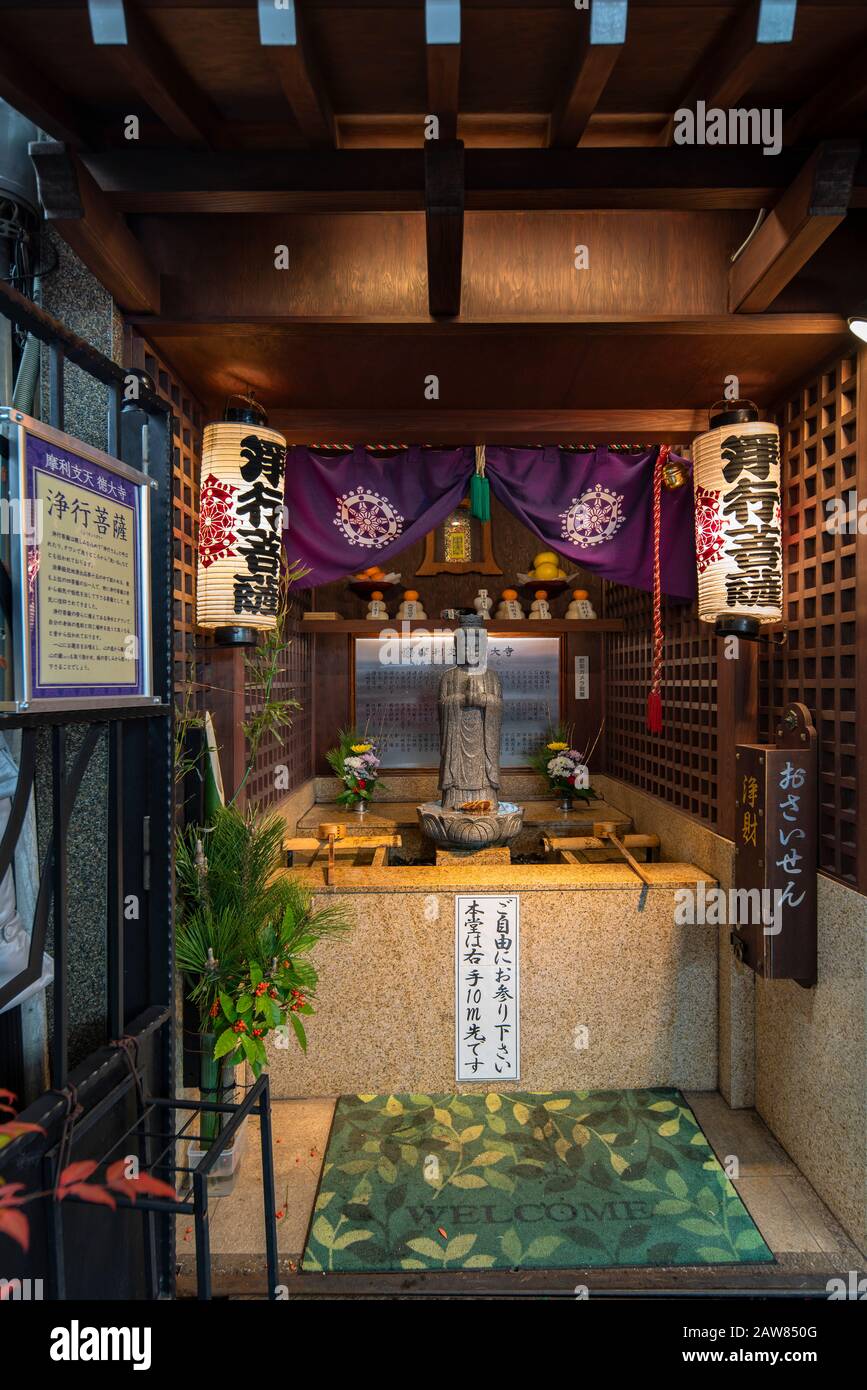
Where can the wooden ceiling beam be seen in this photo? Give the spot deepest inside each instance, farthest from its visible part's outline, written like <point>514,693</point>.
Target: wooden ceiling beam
<point>603,34</point>
<point>442,20</point>
<point>284,327</point>
<point>707,178</point>
<point>435,426</point>
<point>283,34</point>
<point>750,44</point>
<point>444,224</point>
<point>152,69</point>
<point>802,220</point>
<point>97,233</point>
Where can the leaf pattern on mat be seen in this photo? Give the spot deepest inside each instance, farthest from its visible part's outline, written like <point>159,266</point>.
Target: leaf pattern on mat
<point>524,1180</point>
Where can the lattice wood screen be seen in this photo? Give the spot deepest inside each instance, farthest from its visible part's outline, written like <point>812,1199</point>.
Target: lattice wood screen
<point>822,461</point>
<point>187,424</point>
<point>680,765</point>
<point>295,680</point>
<point>267,784</point>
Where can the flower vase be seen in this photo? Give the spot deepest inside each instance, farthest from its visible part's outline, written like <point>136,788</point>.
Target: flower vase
<point>209,1087</point>
<point>566,803</point>
<point>360,807</point>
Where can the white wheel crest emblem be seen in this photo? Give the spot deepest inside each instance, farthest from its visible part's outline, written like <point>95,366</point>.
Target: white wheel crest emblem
<point>367,518</point>
<point>594,517</point>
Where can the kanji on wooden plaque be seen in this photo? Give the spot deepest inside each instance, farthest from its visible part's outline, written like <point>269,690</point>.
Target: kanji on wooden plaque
<point>776,852</point>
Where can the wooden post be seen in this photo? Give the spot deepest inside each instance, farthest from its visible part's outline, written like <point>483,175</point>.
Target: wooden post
<point>584,715</point>
<point>333,702</point>
<point>223,676</point>
<point>737,719</point>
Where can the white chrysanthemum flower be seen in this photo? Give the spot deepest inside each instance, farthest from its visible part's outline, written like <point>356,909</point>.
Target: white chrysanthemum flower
<point>559,767</point>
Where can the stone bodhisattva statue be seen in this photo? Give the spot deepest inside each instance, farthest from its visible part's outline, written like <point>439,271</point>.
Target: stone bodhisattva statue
<point>470,717</point>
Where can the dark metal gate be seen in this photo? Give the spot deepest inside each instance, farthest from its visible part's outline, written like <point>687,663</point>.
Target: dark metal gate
<point>78,1250</point>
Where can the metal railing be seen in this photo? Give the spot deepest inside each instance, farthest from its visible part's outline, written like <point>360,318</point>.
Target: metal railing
<point>87,1107</point>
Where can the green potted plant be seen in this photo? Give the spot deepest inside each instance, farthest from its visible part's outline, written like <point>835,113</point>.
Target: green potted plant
<point>245,935</point>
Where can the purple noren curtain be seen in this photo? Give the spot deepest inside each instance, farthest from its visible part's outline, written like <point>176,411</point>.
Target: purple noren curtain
<point>597,510</point>
<point>348,511</point>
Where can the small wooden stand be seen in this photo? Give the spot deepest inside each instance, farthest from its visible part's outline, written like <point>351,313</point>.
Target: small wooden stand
<point>567,845</point>
<point>333,834</point>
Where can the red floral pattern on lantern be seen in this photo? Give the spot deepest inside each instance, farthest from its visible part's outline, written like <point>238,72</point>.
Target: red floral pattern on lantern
<point>709,528</point>
<point>216,521</point>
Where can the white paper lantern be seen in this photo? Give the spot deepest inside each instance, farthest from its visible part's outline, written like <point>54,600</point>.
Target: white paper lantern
<point>240,530</point>
<point>738,544</point>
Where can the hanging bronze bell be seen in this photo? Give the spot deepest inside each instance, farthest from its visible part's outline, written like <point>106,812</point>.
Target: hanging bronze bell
<point>674,473</point>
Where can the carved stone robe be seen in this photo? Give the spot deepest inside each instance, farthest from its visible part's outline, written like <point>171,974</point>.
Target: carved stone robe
<point>470,715</point>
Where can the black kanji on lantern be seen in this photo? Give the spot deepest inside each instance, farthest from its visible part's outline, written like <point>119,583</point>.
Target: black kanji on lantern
<point>260,502</point>
<point>259,510</point>
<point>256,593</point>
<point>260,456</point>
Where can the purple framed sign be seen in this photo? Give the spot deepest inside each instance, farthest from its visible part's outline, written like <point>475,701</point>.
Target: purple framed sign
<point>78,523</point>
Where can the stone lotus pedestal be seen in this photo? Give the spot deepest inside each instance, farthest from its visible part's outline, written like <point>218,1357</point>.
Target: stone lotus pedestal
<point>467,831</point>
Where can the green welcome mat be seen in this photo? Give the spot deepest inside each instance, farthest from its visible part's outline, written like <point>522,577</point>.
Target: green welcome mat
<point>554,1180</point>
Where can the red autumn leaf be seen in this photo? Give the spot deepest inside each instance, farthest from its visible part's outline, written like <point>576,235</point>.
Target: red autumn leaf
<point>15,1225</point>
<point>7,1095</point>
<point>7,1109</point>
<point>9,1193</point>
<point>77,1172</point>
<point>88,1192</point>
<point>15,1127</point>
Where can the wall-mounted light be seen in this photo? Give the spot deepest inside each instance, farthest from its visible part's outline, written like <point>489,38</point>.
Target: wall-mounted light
<point>858,325</point>
<point>736,471</point>
<point>240,515</point>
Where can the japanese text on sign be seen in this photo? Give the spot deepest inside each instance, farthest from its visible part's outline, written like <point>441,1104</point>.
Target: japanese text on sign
<point>487,1003</point>
<point>790,780</point>
<point>83,583</point>
<point>401,700</point>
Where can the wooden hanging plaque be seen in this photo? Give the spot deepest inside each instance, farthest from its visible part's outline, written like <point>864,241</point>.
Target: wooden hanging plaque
<point>776,850</point>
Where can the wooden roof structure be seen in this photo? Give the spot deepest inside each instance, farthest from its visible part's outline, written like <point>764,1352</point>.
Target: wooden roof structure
<point>276,218</point>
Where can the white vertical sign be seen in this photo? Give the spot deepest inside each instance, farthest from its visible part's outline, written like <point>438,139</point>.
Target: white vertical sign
<point>487,998</point>
<point>582,678</point>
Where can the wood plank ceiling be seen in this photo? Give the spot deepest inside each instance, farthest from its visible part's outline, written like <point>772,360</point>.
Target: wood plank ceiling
<point>336,202</point>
